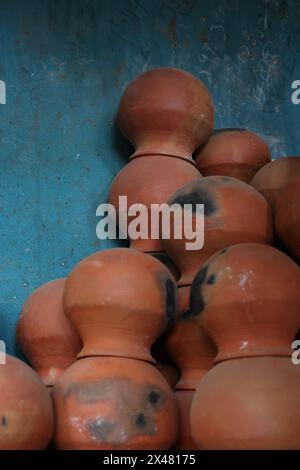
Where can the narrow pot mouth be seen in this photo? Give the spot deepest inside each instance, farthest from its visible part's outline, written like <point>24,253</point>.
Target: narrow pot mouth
<point>138,357</point>
<point>253,354</point>
<point>186,158</point>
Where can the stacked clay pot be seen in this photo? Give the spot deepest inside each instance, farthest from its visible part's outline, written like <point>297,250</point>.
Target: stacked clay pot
<point>119,301</point>
<point>275,176</point>
<point>26,413</point>
<point>193,352</point>
<point>249,400</point>
<point>45,335</point>
<point>234,152</point>
<point>287,217</point>
<point>233,213</point>
<point>166,113</point>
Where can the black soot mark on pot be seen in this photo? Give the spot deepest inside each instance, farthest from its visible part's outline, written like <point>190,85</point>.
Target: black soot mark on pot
<point>154,397</point>
<point>194,196</point>
<point>211,279</point>
<point>170,300</point>
<point>141,420</point>
<point>196,298</point>
<point>229,129</point>
<point>3,421</point>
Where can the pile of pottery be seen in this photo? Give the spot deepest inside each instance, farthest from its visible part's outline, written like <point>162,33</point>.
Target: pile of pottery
<point>157,346</point>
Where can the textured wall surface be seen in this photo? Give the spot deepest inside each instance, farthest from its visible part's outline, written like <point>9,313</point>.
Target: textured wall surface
<point>65,64</point>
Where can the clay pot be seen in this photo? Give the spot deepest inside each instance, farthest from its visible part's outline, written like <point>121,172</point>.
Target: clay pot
<point>114,404</point>
<point>234,212</point>
<point>120,301</point>
<point>249,403</point>
<point>275,176</point>
<point>166,111</point>
<point>146,181</point>
<point>238,153</point>
<point>46,336</point>
<point>163,362</point>
<point>193,353</point>
<point>184,399</point>
<point>26,414</point>
<point>287,217</point>
<point>247,298</point>
<point>189,346</point>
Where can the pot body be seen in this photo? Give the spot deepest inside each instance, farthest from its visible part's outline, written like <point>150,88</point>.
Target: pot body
<point>26,413</point>
<point>247,298</point>
<point>238,153</point>
<point>248,404</point>
<point>148,181</point>
<point>114,404</point>
<point>120,301</point>
<point>166,111</point>
<point>234,212</point>
<point>275,176</point>
<point>287,217</point>
<point>44,333</point>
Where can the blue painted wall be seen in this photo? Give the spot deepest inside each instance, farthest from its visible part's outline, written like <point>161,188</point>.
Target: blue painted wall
<point>65,64</point>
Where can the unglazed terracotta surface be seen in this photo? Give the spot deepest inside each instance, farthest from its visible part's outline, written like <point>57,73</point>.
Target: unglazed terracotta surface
<point>120,301</point>
<point>114,403</point>
<point>249,403</point>
<point>234,212</point>
<point>287,217</point>
<point>44,333</point>
<point>149,180</point>
<point>247,298</point>
<point>184,399</point>
<point>26,414</point>
<point>189,346</point>
<point>166,111</point>
<point>275,176</point>
<point>238,153</point>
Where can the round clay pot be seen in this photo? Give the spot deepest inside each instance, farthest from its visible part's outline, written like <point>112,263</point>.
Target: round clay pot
<point>238,153</point>
<point>45,335</point>
<point>120,301</point>
<point>26,414</point>
<point>249,403</point>
<point>234,212</point>
<point>166,111</point>
<point>184,399</point>
<point>189,346</point>
<point>247,298</point>
<point>114,404</point>
<point>275,176</point>
<point>147,181</point>
<point>287,217</point>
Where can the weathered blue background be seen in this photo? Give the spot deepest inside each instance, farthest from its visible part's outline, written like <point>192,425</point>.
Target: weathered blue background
<point>66,63</point>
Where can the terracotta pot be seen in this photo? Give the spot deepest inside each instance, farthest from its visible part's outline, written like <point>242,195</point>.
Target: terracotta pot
<point>46,336</point>
<point>166,111</point>
<point>189,346</point>
<point>26,414</point>
<point>120,301</point>
<point>193,353</point>
<point>249,403</point>
<point>184,399</point>
<point>247,298</point>
<point>114,403</point>
<point>287,217</point>
<point>275,176</point>
<point>234,212</point>
<point>238,153</point>
<point>146,181</point>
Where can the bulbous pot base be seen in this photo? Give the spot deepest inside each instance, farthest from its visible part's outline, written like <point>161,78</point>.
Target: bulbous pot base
<point>246,404</point>
<point>114,403</point>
